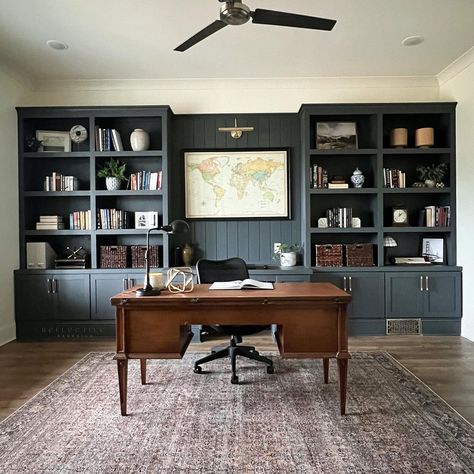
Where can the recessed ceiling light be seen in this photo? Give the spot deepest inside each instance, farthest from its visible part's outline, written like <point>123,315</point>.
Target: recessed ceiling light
<point>57,45</point>
<point>413,40</point>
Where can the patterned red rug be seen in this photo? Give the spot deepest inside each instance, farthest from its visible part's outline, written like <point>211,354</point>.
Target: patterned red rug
<point>288,422</point>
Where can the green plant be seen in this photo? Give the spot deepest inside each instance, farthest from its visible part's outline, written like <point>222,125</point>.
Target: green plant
<point>112,169</point>
<point>286,248</point>
<point>434,172</point>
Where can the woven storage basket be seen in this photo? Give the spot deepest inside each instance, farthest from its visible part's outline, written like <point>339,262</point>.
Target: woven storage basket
<point>138,256</point>
<point>113,256</point>
<point>329,255</point>
<point>359,255</point>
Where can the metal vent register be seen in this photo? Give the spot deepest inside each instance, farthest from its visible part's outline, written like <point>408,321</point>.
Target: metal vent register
<point>402,327</point>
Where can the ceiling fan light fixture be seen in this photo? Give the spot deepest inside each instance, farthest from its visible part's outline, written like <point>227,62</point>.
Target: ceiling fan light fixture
<point>235,13</point>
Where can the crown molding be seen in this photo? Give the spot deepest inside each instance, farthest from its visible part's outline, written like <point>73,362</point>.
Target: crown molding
<point>304,83</point>
<point>456,67</point>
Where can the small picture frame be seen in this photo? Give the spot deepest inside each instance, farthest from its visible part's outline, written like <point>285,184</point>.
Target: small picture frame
<point>336,136</point>
<point>432,249</point>
<point>146,219</point>
<point>53,141</point>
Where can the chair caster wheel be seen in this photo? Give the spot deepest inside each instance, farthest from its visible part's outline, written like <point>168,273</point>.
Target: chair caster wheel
<point>198,369</point>
<point>270,369</point>
<point>234,379</point>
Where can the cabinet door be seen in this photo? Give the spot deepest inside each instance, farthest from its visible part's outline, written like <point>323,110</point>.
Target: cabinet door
<point>442,295</point>
<point>103,287</point>
<point>33,300</point>
<point>367,291</point>
<point>282,278</point>
<point>334,278</point>
<point>404,295</point>
<point>72,297</point>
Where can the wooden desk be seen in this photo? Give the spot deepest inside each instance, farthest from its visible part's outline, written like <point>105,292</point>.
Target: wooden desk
<point>310,318</point>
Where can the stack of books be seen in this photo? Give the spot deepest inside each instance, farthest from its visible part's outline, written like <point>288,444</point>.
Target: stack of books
<point>107,139</point>
<point>393,178</point>
<point>339,217</point>
<point>432,216</point>
<point>108,219</point>
<point>80,220</point>
<point>58,182</point>
<point>145,181</point>
<point>318,177</point>
<point>338,182</point>
<point>50,223</point>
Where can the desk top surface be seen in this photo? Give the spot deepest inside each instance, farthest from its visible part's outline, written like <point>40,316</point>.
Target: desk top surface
<point>282,291</point>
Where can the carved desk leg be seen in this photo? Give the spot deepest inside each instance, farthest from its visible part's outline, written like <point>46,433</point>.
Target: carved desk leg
<point>342,366</point>
<point>143,370</point>
<point>122,366</point>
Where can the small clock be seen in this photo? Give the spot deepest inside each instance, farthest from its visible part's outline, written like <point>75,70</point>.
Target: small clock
<point>399,216</point>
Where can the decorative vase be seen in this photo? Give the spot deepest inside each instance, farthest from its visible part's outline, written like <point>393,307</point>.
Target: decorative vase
<point>399,137</point>
<point>112,184</point>
<point>139,140</point>
<point>187,255</point>
<point>357,178</point>
<point>287,259</point>
<point>424,137</point>
<point>430,183</point>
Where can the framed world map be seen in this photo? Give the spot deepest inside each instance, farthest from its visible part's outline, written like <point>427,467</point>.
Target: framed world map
<point>237,184</point>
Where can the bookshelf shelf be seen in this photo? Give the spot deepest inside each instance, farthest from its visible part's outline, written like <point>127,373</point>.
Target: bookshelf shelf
<point>347,230</point>
<point>360,151</point>
<point>344,191</point>
<point>413,229</point>
<point>417,190</point>
<point>141,232</point>
<point>129,193</point>
<point>58,155</point>
<point>56,193</point>
<point>416,151</point>
<point>124,154</point>
<point>65,232</point>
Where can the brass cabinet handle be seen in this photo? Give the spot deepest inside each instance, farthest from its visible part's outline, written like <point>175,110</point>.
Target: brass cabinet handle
<point>345,285</point>
<point>421,283</point>
<point>350,284</point>
<point>195,300</point>
<point>426,283</point>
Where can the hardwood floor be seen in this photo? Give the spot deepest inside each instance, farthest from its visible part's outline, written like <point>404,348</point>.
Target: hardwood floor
<point>445,364</point>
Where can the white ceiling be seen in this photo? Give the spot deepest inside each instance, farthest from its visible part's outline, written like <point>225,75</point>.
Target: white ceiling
<point>134,39</point>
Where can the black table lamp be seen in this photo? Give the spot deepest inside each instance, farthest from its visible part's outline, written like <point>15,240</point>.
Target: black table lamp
<point>175,227</point>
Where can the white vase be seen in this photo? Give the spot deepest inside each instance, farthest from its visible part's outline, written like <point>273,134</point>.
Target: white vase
<point>139,140</point>
<point>288,259</point>
<point>112,184</point>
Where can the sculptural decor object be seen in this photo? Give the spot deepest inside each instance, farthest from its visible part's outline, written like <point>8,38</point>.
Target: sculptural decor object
<point>139,140</point>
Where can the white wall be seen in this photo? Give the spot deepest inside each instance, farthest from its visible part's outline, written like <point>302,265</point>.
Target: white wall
<point>460,88</point>
<point>10,93</point>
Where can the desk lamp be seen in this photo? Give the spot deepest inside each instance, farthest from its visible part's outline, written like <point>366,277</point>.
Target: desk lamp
<point>175,227</point>
<point>387,243</point>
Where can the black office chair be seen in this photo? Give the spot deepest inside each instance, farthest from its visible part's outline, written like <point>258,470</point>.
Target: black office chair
<point>210,271</point>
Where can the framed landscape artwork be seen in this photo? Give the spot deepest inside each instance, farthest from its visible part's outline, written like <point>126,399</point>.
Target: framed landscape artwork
<point>336,136</point>
<point>433,250</point>
<point>245,184</point>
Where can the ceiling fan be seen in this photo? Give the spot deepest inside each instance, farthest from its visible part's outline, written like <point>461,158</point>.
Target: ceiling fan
<point>234,12</point>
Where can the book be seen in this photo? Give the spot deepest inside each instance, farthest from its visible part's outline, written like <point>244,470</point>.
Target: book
<point>116,140</point>
<point>338,186</point>
<point>247,284</point>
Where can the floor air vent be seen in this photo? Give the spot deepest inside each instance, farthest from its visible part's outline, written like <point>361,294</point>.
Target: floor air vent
<point>403,327</point>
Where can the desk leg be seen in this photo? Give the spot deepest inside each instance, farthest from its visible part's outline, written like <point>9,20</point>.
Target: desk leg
<point>342,366</point>
<point>122,366</point>
<point>143,370</point>
<point>326,370</point>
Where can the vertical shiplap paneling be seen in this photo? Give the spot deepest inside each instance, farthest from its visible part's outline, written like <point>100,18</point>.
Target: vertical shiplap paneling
<point>252,240</point>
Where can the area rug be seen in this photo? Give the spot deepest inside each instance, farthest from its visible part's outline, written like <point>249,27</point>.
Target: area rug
<point>288,422</point>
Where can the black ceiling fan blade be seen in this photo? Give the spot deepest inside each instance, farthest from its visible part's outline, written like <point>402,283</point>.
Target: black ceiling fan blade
<point>271,17</point>
<point>203,34</point>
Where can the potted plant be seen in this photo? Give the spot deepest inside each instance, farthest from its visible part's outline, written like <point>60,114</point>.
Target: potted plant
<point>432,175</point>
<point>286,255</point>
<point>114,173</point>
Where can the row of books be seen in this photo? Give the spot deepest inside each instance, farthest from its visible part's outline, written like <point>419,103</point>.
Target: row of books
<point>108,219</point>
<point>59,182</point>
<point>433,216</point>
<point>318,177</point>
<point>339,217</point>
<point>47,222</point>
<point>80,220</point>
<point>145,180</point>
<point>393,178</point>
<point>107,139</point>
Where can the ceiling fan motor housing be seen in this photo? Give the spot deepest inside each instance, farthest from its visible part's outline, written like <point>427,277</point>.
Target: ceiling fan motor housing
<point>235,13</point>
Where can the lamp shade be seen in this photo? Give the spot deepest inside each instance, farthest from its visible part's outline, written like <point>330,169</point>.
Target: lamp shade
<point>389,242</point>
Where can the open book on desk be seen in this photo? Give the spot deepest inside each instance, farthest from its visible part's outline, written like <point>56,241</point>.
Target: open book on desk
<point>247,284</point>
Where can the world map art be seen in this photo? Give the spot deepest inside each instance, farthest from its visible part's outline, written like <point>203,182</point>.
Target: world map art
<point>243,184</point>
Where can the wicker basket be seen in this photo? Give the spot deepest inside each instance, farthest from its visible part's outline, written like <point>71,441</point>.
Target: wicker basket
<point>329,255</point>
<point>138,256</point>
<point>113,256</point>
<point>359,255</point>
